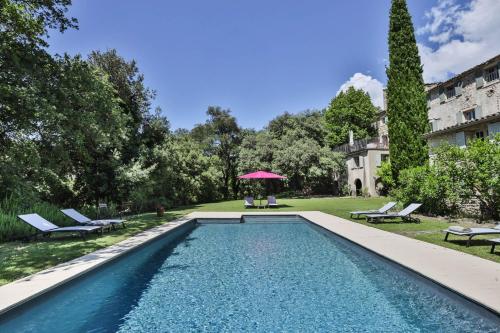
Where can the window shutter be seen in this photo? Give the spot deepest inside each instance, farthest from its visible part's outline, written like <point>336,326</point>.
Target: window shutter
<point>494,129</point>
<point>378,160</point>
<point>458,89</point>
<point>435,125</point>
<point>479,79</point>
<point>460,139</point>
<point>361,161</point>
<point>478,112</point>
<point>442,96</point>
<point>460,117</point>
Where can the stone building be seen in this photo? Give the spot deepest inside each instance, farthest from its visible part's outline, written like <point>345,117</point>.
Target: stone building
<point>364,157</point>
<point>466,106</point>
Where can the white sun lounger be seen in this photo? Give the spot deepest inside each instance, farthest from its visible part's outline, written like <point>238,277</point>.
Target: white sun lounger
<point>249,202</point>
<point>471,232</point>
<point>382,210</point>
<point>80,218</point>
<point>405,214</point>
<point>44,227</point>
<point>271,202</point>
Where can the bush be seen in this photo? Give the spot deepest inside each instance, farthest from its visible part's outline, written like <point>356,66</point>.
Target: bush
<point>385,174</point>
<point>421,184</point>
<point>454,177</point>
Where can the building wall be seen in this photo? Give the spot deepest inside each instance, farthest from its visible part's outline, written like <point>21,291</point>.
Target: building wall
<point>369,162</point>
<point>472,93</point>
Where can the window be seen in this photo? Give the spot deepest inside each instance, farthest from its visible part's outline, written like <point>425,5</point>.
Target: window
<point>470,115</point>
<point>479,135</point>
<point>356,161</point>
<point>490,74</point>
<point>384,157</point>
<point>450,92</point>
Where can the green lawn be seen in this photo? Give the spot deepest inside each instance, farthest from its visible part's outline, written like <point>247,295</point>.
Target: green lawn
<point>19,259</point>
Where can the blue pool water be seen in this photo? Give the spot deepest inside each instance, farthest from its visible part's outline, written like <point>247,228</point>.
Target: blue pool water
<point>286,276</point>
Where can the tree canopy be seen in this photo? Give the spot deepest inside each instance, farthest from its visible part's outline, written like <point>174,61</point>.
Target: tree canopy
<point>351,110</point>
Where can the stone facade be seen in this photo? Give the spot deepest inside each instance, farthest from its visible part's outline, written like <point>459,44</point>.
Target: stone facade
<point>364,157</point>
<point>466,106</point>
<point>460,109</point>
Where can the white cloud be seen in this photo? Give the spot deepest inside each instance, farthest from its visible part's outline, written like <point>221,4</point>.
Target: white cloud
<point>368,84</point>
<point>466,35</point>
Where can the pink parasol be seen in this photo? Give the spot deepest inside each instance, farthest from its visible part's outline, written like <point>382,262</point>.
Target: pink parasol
<point>261,175</point>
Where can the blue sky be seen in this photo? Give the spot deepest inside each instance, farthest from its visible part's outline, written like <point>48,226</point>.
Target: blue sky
<point>258,58</point>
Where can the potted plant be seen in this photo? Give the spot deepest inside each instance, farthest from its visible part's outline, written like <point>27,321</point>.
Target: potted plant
<point>160,207</point>
<point>160,210</point>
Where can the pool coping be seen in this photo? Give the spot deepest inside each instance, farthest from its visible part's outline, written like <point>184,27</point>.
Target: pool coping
<point>25,289</point>
<point>478,282</point>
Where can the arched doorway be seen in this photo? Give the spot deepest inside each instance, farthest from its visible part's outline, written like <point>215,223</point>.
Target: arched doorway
<point>359,187</point>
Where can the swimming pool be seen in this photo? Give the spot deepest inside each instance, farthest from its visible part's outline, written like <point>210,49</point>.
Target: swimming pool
<point>267,274</point>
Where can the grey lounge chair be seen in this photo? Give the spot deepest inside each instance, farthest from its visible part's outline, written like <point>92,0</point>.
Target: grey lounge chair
<point>471,232</point>
<point>80,218</point>
<point>382,210</point>
<point>271,202</point>
<point>405,214</point>
<point>46,228</point>
<point>249,202</point>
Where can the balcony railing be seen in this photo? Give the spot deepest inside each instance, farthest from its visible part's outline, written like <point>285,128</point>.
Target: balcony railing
<point>490,76</point>
<point>361,144</point>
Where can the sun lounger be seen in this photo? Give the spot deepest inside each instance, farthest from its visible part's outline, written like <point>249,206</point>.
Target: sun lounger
<point>405,214</point>
<point>470,232</point>
<point>494,242</point>
<point>249,202</point>
<point>382,210</point>
<point>271,202</point>
<point>46,228</point>
<point>82,219</point>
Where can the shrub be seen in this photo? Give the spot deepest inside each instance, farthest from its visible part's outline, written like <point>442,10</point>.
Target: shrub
<point>419,184</point>
<point>456,176</point>
<point>385,174</point>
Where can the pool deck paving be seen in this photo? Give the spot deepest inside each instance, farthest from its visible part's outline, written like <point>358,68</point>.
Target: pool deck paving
<point>472,277</point>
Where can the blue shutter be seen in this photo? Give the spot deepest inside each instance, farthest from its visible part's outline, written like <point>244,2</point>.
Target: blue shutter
<point>493,129</point>
<point>460,139</point>
<point>458,89</point>
<point>479,79</point>
<point>442,96</point>
<point>478,112</point>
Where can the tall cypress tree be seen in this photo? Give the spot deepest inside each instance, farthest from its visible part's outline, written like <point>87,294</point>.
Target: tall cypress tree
<point>406,96</point>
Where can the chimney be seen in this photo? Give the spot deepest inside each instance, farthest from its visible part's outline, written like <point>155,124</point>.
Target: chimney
<point>351,138</point>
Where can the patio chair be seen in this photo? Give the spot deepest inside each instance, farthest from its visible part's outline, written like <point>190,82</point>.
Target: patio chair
<point>271,202</point>
<point>404,215</point>
<point>249,202</point>
<point>46,228</point>
<point>382,210</point>
<point>470,232</point>
<point>82,219</point>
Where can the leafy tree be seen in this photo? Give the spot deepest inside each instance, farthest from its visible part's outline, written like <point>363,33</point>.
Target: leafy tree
<point>350,111</point>
<point>309,123</point>
<point>406,97</point>
<point>25,67</point>
<point>134,97</point>
<point>221,136</point>
<point>293,145</point>
<point>81,141</point>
